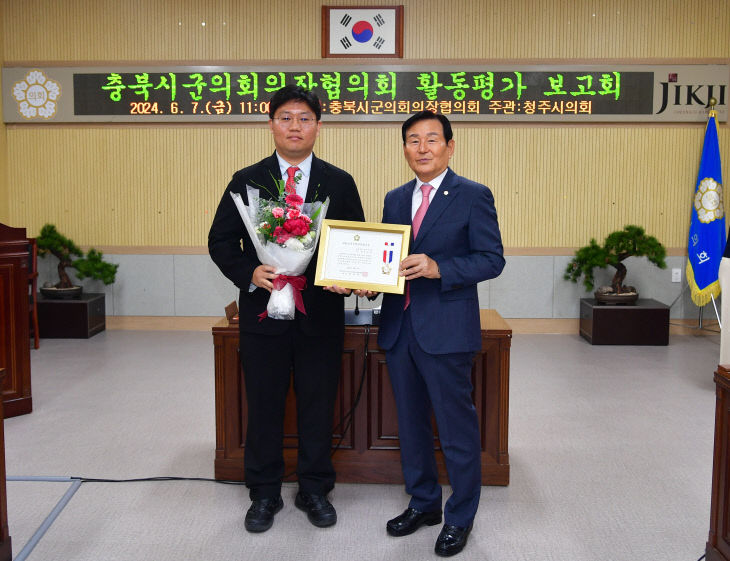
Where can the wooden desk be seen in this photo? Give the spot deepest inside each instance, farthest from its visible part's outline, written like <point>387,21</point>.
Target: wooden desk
<point>369,452</point>
<point>718,543</point>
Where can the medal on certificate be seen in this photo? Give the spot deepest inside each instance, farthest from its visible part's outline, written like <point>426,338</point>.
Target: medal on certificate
<point>387,258</point>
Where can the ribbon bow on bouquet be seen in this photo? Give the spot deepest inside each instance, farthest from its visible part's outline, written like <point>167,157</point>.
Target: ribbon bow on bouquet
<point>296,284</point>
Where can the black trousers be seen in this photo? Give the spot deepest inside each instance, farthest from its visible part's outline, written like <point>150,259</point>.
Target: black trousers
<point>269,363</point>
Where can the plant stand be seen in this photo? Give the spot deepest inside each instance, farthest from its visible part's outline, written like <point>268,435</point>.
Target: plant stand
<point>71,319</point>
<point>645,323</point>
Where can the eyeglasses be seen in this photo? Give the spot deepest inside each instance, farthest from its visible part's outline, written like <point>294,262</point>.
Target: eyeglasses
<point>287,120</point>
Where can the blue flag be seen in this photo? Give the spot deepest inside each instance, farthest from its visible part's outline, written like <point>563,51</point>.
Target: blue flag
<point>707,233</point>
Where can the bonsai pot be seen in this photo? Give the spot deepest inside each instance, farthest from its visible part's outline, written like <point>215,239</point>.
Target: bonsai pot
<point>607,297</point>
<point>62,293</point>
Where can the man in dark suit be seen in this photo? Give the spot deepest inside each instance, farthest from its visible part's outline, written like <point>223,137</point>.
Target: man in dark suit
<point>431,333</point>
<point>309,345</point>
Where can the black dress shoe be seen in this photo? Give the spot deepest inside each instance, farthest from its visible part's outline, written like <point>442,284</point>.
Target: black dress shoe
<point>260,515</point>
<point>319,510</point>
<point>451,540</point>
<point>411,520</point>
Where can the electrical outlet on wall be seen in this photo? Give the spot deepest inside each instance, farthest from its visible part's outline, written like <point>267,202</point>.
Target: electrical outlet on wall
<point>676,275</point>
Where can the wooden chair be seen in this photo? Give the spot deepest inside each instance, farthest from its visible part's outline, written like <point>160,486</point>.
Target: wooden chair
<point>33,288</point>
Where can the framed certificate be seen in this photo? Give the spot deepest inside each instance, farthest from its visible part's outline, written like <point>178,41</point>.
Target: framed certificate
<point>362,255</point>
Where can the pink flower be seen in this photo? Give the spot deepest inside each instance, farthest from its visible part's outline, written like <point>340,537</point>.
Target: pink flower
<point>278,212</point>
<point>292,213</point>
<point>296,226</point>
<point>294,200</point>
<point>305,218</point>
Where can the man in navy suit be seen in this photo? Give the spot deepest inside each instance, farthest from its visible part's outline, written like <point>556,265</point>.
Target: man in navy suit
<point>311,344</point>
<point>431,333</point>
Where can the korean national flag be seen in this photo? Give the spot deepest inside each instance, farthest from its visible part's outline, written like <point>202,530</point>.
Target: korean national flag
<point>362,31</point>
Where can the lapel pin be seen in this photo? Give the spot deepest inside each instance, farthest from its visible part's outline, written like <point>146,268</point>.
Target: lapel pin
<point>446,193</point>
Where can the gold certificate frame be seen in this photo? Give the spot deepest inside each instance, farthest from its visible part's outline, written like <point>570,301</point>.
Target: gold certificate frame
<point>362,255</point>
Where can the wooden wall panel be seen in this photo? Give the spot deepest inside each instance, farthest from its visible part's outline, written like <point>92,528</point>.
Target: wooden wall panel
<point>555,186</point>
<point>3,147</point>
<point>103,30</point>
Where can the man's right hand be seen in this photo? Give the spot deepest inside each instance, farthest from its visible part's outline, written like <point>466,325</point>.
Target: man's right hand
<point>263,275</point>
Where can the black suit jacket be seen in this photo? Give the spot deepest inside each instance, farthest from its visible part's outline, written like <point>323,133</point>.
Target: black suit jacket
<point>325,314</point>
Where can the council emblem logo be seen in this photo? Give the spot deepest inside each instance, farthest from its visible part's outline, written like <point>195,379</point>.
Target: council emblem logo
<point>708,201</point>
<point>36,95</point>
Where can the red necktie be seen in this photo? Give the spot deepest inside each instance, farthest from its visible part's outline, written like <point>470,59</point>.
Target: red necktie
<point>291,185</point>
<point>416,225</point>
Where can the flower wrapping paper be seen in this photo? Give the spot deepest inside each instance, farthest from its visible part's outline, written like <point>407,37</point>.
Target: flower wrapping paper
<point>290,258</point>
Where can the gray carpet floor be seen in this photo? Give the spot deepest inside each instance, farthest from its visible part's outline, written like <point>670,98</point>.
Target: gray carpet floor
<point>610,452</point>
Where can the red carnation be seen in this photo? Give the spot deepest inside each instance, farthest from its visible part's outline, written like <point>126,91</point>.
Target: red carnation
<point>292,213</point>
<point>281,235</point>
<point>296,226</point>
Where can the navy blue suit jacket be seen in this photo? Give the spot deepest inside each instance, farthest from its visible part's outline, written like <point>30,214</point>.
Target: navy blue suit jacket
<point>461,233</point>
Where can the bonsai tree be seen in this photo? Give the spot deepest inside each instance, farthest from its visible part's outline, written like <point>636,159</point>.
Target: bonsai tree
<point>631,241</point>
<point>91,265</point>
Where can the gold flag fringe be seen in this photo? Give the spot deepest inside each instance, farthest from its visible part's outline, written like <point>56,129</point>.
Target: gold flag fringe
<point>705,295</point>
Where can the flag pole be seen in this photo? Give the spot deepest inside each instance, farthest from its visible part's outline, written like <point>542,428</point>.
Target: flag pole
<point>714,304</point>
<point>712,103</point>
<point>700,309</point>
<point>696,228</point>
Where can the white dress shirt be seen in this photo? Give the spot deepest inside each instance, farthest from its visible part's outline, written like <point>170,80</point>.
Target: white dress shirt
<point>418,195</point>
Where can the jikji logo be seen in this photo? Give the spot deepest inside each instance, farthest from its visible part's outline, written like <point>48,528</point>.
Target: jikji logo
<point>708,201</point>
<point>36,95</point>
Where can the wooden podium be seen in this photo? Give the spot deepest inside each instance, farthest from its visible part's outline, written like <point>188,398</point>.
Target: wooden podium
<point>718,543</point>
<point>14,321</point>
<point>369,451</point>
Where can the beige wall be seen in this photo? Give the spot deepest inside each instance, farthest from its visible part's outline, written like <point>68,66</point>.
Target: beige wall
<point>555,186</point>
<point>3,147</point>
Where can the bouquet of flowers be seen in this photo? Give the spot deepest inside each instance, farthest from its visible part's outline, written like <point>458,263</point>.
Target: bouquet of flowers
<point>285,232</point>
